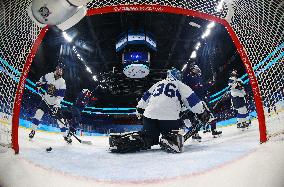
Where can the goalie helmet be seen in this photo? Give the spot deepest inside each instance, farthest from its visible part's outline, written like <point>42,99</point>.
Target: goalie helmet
<point>62,13</point>
<point>174,73</point>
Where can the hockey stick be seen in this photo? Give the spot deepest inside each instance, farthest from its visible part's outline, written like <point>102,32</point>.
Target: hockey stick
<point>81,141</point>
<point>194,130</point>
<point>225,95</point>
<point>78,139</point>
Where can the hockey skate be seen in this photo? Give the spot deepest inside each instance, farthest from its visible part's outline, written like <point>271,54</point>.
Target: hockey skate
<point>68,138</point>
<point>239,125</point>
<point>207,130</point>
<point>216,133</point>
<point>129,142</point>
<point>32,134</point>
<point>248,124</point>
<point>196,137</point>
<point>242,126</point>
<point>172,142</point>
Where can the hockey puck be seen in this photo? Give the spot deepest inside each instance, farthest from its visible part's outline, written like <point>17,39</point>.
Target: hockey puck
<point>48,149</point>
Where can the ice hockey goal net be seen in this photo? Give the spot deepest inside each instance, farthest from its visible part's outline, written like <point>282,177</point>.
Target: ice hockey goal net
<point>257,28</point>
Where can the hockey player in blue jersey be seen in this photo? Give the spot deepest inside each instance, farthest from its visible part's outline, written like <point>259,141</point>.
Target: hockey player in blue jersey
<point>195,81</point>
<point>160,107</point>
<point>55,87</point>
<point>74,111</point>
<point>238,100</point>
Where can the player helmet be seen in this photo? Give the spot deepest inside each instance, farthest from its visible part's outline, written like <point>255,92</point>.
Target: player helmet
<point>195,70</point>
<point>59,70</point>
<point>174,73</point>
<point>60,65</point>
<point>85,90</point>
<point>234,73</point>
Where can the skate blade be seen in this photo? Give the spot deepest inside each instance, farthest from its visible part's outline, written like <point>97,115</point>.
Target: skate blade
<point>196,140</point>
<point>217,135</point>
<point>86,142</point>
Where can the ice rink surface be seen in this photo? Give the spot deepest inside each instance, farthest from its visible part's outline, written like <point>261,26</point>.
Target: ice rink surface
<point>234,159</point>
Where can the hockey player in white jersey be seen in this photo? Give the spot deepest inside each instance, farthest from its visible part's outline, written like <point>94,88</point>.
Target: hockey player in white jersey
<point>54,86</point>
<point>160,107</point>
<point>238,100</point>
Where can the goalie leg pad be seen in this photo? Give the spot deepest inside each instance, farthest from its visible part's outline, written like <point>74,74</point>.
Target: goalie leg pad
<point>129,142</point>
<point>172,142</point>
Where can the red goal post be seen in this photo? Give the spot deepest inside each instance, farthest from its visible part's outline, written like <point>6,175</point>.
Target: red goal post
<point>235,16</point>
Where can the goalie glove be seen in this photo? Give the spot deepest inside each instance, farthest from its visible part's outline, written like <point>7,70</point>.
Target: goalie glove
<point>139,113</point>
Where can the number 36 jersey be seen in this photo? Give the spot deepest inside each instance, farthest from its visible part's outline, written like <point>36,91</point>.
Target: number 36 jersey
<point>163,101</point>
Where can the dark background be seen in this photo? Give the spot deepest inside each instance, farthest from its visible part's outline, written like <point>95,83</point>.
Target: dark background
<point>95,38</point>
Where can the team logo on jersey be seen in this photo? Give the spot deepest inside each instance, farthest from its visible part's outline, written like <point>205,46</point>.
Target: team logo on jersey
<point>44,12</point>
<point>51,89</point>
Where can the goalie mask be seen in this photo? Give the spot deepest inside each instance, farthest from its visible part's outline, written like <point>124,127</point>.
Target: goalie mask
<point>174,73</point>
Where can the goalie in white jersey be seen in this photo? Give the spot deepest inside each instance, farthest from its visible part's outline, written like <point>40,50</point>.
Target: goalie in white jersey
<point>55,87</point>
<point>160,107</point>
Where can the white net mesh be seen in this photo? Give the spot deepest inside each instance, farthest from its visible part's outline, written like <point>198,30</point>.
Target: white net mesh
<point>17,36</point>
<point>259,26</point>
<point>5,130</point>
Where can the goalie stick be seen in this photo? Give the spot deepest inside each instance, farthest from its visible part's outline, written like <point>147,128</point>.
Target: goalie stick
<point>194,130</point>
<point>198,123</point>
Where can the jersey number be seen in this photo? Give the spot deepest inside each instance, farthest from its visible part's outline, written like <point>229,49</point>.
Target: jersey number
<point>167,89</point>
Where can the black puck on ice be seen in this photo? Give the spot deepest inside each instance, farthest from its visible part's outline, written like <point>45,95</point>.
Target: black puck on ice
<point>48,149</point>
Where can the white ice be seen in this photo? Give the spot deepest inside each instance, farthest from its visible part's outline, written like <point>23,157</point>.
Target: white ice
<point>234,159</point>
